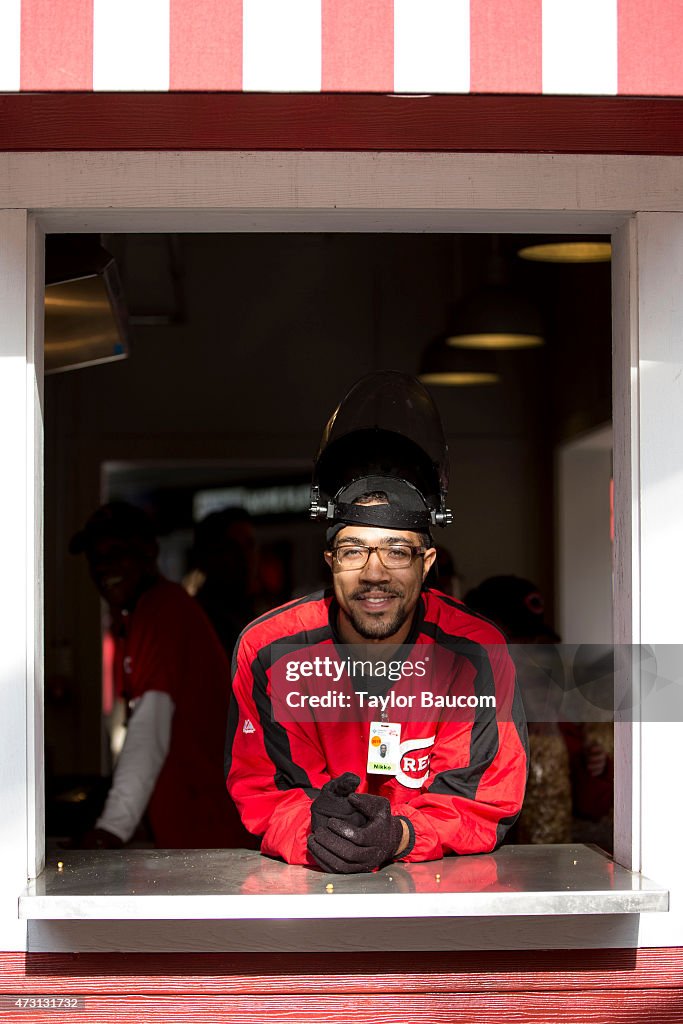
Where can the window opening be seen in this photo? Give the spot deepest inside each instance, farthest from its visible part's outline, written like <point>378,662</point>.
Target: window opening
<point>239,347</point>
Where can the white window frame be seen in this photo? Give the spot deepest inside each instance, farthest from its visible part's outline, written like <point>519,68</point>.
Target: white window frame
<point>637,199</point>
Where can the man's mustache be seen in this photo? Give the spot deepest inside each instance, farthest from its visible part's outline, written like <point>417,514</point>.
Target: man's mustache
<point>359,594</point>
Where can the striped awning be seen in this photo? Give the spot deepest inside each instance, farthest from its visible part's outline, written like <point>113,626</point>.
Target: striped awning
<point>560,47</point>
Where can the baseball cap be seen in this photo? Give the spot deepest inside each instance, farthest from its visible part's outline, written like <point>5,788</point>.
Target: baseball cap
<point>404,508</point>
<point>515,603</point>
<point>117,519</point>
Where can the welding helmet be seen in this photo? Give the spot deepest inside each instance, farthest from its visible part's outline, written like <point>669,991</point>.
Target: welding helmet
<point>385,435</point>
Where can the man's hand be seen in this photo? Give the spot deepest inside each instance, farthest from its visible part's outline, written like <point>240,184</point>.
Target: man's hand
<point>100,839</point>
<point>346,848</point>
<point>333,802</point>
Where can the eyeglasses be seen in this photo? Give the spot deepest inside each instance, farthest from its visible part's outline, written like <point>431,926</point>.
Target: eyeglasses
<point>392,556</point>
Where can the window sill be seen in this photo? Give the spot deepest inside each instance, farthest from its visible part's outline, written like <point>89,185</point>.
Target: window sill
<point>243,885</point>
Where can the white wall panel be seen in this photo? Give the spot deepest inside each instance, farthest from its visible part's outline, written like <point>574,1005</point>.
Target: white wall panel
<point>659,395</point>
<point>18,400</point>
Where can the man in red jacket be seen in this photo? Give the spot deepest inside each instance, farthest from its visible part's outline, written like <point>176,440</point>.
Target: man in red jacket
<point>311,784</point>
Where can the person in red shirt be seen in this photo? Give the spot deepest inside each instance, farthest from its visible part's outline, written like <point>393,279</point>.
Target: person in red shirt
<point>308,784</point>
<point>174,676</point>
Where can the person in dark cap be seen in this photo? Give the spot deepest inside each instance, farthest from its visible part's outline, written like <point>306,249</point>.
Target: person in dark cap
<point>312,787</point>
<point>173,675</point>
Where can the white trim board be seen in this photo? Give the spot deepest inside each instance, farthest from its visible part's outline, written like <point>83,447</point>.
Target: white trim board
<point>610,931</point>
<point>21,653</point>
<point>581,192</point>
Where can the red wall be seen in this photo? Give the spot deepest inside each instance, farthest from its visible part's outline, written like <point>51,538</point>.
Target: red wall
<point>601,986</point>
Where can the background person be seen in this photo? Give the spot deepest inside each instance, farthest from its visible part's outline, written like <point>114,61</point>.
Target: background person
<point>224,552</point>
<point>571,783</point>
<point>443,575</point>
<point>173,675</point>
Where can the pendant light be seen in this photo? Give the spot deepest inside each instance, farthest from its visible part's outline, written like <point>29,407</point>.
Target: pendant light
<point>496,316</point>
<point>567,249</point>
<point>447,366</point>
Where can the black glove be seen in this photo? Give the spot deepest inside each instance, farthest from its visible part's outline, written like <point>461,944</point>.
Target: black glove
<point>346,848</point>
<point>332,802</point>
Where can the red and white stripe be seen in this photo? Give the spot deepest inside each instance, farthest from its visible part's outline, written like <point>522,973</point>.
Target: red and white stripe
<point>206,52</point>
<point>56,45</point>
<point>580,47</point>
<point>505,47</point>
<point>586,47</point>
<point>282,46</point>
<point>357,53</point>
<point>431,46</point>
<point>650,61</point>
<point>131,46</point>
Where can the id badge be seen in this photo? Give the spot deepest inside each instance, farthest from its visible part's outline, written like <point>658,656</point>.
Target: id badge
<point>383,748</point>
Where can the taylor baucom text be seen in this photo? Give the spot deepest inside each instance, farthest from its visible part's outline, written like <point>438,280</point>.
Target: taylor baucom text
<point>425,699</point>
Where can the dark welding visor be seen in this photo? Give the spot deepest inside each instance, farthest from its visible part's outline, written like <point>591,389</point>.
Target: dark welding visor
<point>386,435</point>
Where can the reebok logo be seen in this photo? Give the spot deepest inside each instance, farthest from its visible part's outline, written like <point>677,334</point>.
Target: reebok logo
<point>248,727</point>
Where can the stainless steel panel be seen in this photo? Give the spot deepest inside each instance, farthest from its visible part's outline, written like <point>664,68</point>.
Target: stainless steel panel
<point>243,885</point>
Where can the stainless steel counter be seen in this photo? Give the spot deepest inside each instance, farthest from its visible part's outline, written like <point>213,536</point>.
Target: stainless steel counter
<point>242,885</point>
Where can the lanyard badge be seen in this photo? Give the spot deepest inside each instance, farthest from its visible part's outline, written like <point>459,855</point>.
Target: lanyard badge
<point>384,742</point>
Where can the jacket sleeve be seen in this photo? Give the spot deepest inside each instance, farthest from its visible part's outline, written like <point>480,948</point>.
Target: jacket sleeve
<point>478,773</point>
<point>148,739</point>
<point>264,773</point>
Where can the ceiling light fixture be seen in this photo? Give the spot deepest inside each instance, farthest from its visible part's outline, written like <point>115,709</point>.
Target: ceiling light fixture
<point>569,250</point>
<point>495,317</point>
<point>443,365</point>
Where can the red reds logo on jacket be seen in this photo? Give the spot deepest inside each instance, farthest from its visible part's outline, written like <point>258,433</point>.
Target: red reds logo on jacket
<point>413,762</point>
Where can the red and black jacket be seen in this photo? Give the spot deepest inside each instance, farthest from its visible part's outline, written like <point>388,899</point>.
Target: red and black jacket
<point>461,778</point>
